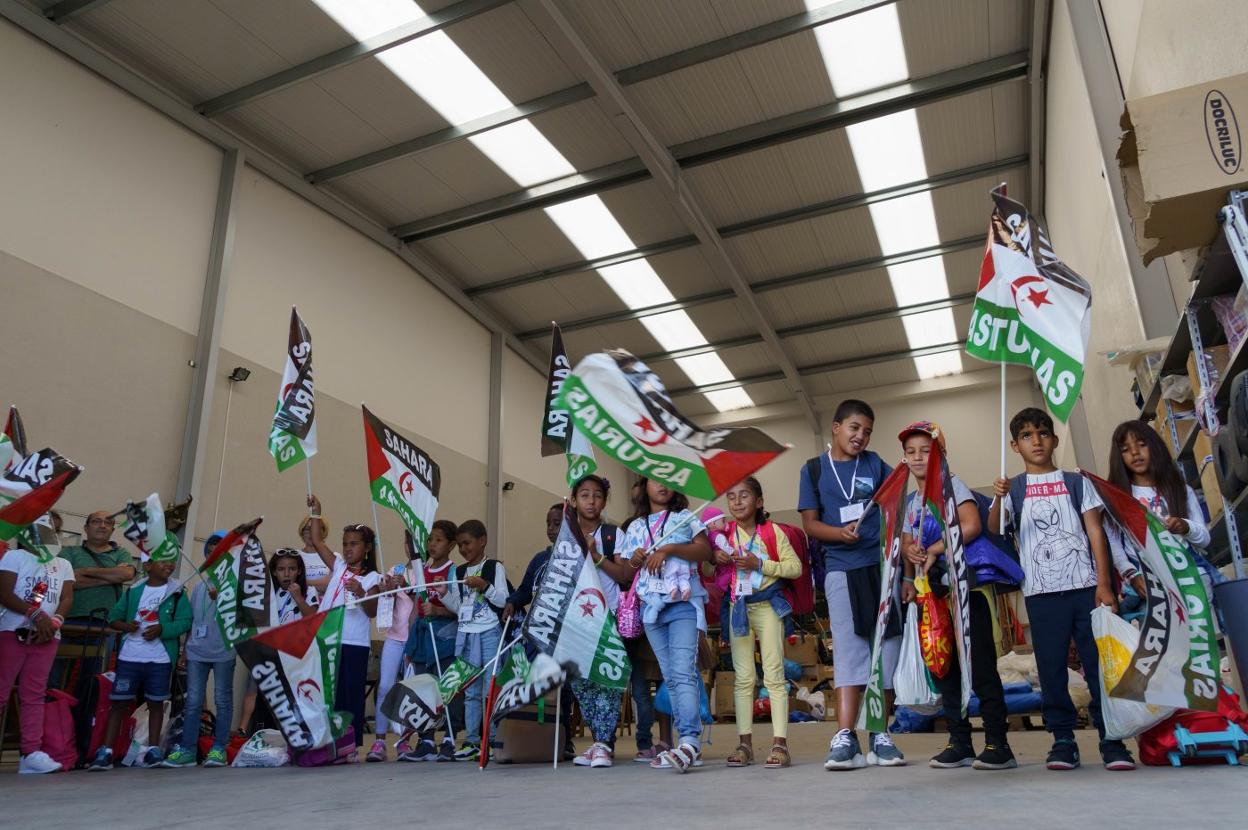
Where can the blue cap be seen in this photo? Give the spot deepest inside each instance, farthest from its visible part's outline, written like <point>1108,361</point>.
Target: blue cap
<point>211,541</point>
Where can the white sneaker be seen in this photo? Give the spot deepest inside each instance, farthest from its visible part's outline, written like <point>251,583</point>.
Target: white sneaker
<point>37,763</point>
<point>586,758</point>
<point>599,756</point>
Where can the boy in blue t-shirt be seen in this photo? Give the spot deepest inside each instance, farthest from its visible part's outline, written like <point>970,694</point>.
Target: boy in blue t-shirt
<point>834,492</point>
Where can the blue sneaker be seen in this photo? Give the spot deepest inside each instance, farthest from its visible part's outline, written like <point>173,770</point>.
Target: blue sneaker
<point>1064,755</point>
<point>845,752</point>
<point>152,758</point>
<point>884,753</point>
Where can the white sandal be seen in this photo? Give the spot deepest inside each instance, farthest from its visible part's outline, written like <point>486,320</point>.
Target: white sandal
<point>683,758</point>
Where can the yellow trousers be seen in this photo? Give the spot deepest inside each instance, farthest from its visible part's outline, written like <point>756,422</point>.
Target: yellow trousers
<point>769,628</point>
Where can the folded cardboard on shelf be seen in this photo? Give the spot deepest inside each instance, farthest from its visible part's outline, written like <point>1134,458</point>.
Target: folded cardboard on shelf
<point>1182,414</point>
<point>1202,453</point>
<point>1181,153</point>
<point>1217,358</point>
<point>802,649</point>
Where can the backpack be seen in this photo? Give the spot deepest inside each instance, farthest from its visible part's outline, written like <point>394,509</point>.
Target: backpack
<point>1005,544</point>
<point>799,592</point>
<point>488,569</point>
<point>58,728</point>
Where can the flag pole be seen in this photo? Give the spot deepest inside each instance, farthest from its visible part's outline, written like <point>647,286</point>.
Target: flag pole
<point>446,706</point>
<point>1001,511</point>
<point>307,466</point>
<point>401,589</point>
<point>554,761</point>
<point>381,563</point>
<point>488,711</point>
<point>693,514</point>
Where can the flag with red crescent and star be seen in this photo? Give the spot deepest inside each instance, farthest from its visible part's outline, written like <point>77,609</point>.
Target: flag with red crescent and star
<point>402,477</point>
<point>295,667</point>
<point>1176,662</point>
<point>292,438</point>
<point>571,618</point>
<point>622,407</point>
<point>1030,308</point>
<point>559,436</point>
<point>29,485</point>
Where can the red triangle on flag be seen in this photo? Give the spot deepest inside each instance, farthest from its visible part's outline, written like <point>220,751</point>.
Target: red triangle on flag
<point>378,465</point>
<point>726,468</point>
<point>1122,507</point>
<point>293,638</point>
<point>231,540</point>
<point>32,505</point>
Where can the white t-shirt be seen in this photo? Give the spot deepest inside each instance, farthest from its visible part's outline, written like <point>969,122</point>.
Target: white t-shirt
<point>914,507</point>
<point>475,609</point>
<point>1052,542</point>
<point>30,572</point>
<point>315,569</point>
<point>610,589</point>
<point>134,648</point>
<point>356,625</point>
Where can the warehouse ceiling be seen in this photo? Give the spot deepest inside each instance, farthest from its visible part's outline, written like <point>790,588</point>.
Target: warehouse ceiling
<point>772,201</point>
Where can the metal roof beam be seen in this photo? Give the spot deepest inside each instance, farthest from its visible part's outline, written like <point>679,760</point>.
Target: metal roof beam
<point>634,74</point>
<point>67,10</point>
<point>847,269</point>
<point>891,313</point>
<point>432,22</point>
<point>842,113</point>
<point>666,172</point>
<point>823,368</point>
<point>773,220</point>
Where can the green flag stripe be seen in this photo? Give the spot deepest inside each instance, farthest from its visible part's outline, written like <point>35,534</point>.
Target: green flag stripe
<point>998,335</point>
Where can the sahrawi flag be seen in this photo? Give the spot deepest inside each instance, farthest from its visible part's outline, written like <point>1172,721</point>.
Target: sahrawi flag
<point>1176,662</point>
<point>246,599</point>
<point>402,476</point>
<point>28,489</point>
<point>145,528</point>
<point>570,619</point>
<point>415,703</point>
<point>295,667</point>
<point>558,433</point>
<point>1031,308</point>
<point>891,498</point>
<point>943,504</point>
<point>623,408</point>
<point>521,681</point>
<point>293,436</point>
<point>12,441</point>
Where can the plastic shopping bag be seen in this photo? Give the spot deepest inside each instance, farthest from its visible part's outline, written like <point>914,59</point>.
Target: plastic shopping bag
<point>935,629</point>
<point>266,748</point>
<point>140,741</point>
<point>912,684</point>
<point>1116,640</point>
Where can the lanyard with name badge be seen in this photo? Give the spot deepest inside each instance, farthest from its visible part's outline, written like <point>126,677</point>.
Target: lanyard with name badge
<point>741,584</point>
<point>852,511</point>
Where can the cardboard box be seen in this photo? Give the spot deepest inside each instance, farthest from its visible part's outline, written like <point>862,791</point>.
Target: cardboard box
<point>524,739</point>
<point>1181,153</point>
<point>1183,415</point>
<point>723,704</point>
<point>802,649</point>
<point>1202,452</point>
<point>1217,359</point>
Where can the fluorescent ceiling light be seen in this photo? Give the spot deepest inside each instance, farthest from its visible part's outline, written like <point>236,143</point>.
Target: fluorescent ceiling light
<point>728,399</point>
<point>888,150</point>
<point>862,52</point>
<point>437,70</point>
<point>939,365</point>
<point>905,224</point>
<point>920,280</point>
<point>930,328</point>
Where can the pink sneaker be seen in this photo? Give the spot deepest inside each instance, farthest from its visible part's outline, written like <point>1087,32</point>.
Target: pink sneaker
<point>600,756</point>
<point>586,758</point>
<point>377,752</point>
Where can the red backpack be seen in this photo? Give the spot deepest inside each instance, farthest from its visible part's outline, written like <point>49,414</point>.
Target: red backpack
<point>799,592</point>
<point>58,728</point>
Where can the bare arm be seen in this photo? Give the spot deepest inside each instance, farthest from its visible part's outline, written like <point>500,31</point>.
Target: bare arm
<point>318,531</point>
<point>819,530</point>
<point>1092,524</point>
<point>8,593</point>
<point>116,575</point>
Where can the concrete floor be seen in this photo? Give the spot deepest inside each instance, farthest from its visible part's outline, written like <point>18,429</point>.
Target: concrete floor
<point>804,796</point>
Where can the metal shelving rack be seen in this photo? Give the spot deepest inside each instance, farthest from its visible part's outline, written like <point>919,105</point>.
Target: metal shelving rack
<point>1223,270</point>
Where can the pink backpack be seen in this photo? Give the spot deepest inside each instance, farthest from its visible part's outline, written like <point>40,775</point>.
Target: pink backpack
<point>58,728</point>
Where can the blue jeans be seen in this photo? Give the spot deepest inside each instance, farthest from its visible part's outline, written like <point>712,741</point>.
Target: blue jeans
<point>643,706</point>
<point>478,649</point>
<point>222,695</point>
<point>676,645</point>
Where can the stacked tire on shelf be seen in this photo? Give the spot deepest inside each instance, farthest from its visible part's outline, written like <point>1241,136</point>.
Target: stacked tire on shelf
<point>1230,447</point>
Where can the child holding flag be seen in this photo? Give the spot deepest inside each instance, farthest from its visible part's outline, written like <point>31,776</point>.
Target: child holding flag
<point>763,556</point>
<point>921,552</point>
<point>35,595</point>
<point>393,643</point>
<point>1062,548</point>
<point>834,491</point>
<point>477,600</point>
<point>431,641</point>
<point>677,624</point>
<point>153,616</point>
<point>353,576</point>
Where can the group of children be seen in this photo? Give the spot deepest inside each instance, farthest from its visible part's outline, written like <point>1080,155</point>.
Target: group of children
<point>649,569</point>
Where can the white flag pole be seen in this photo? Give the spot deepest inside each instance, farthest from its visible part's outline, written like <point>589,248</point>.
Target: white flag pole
<point>693,514</point>
<point>1004,441</point>
<point>381,564</point>
<point>446,704</point>
<point>554,763</point>
<point>307,466</point>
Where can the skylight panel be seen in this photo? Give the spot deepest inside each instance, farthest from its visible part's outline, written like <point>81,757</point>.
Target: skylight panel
<point>862,52</point>
<point>726,400</point>
<point>939,365</point>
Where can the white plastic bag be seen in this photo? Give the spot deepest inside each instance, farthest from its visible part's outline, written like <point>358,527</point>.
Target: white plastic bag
<point>265,748</point>
<point>140,741</point>
<point>912,684</point>
<point>1116,640</point>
